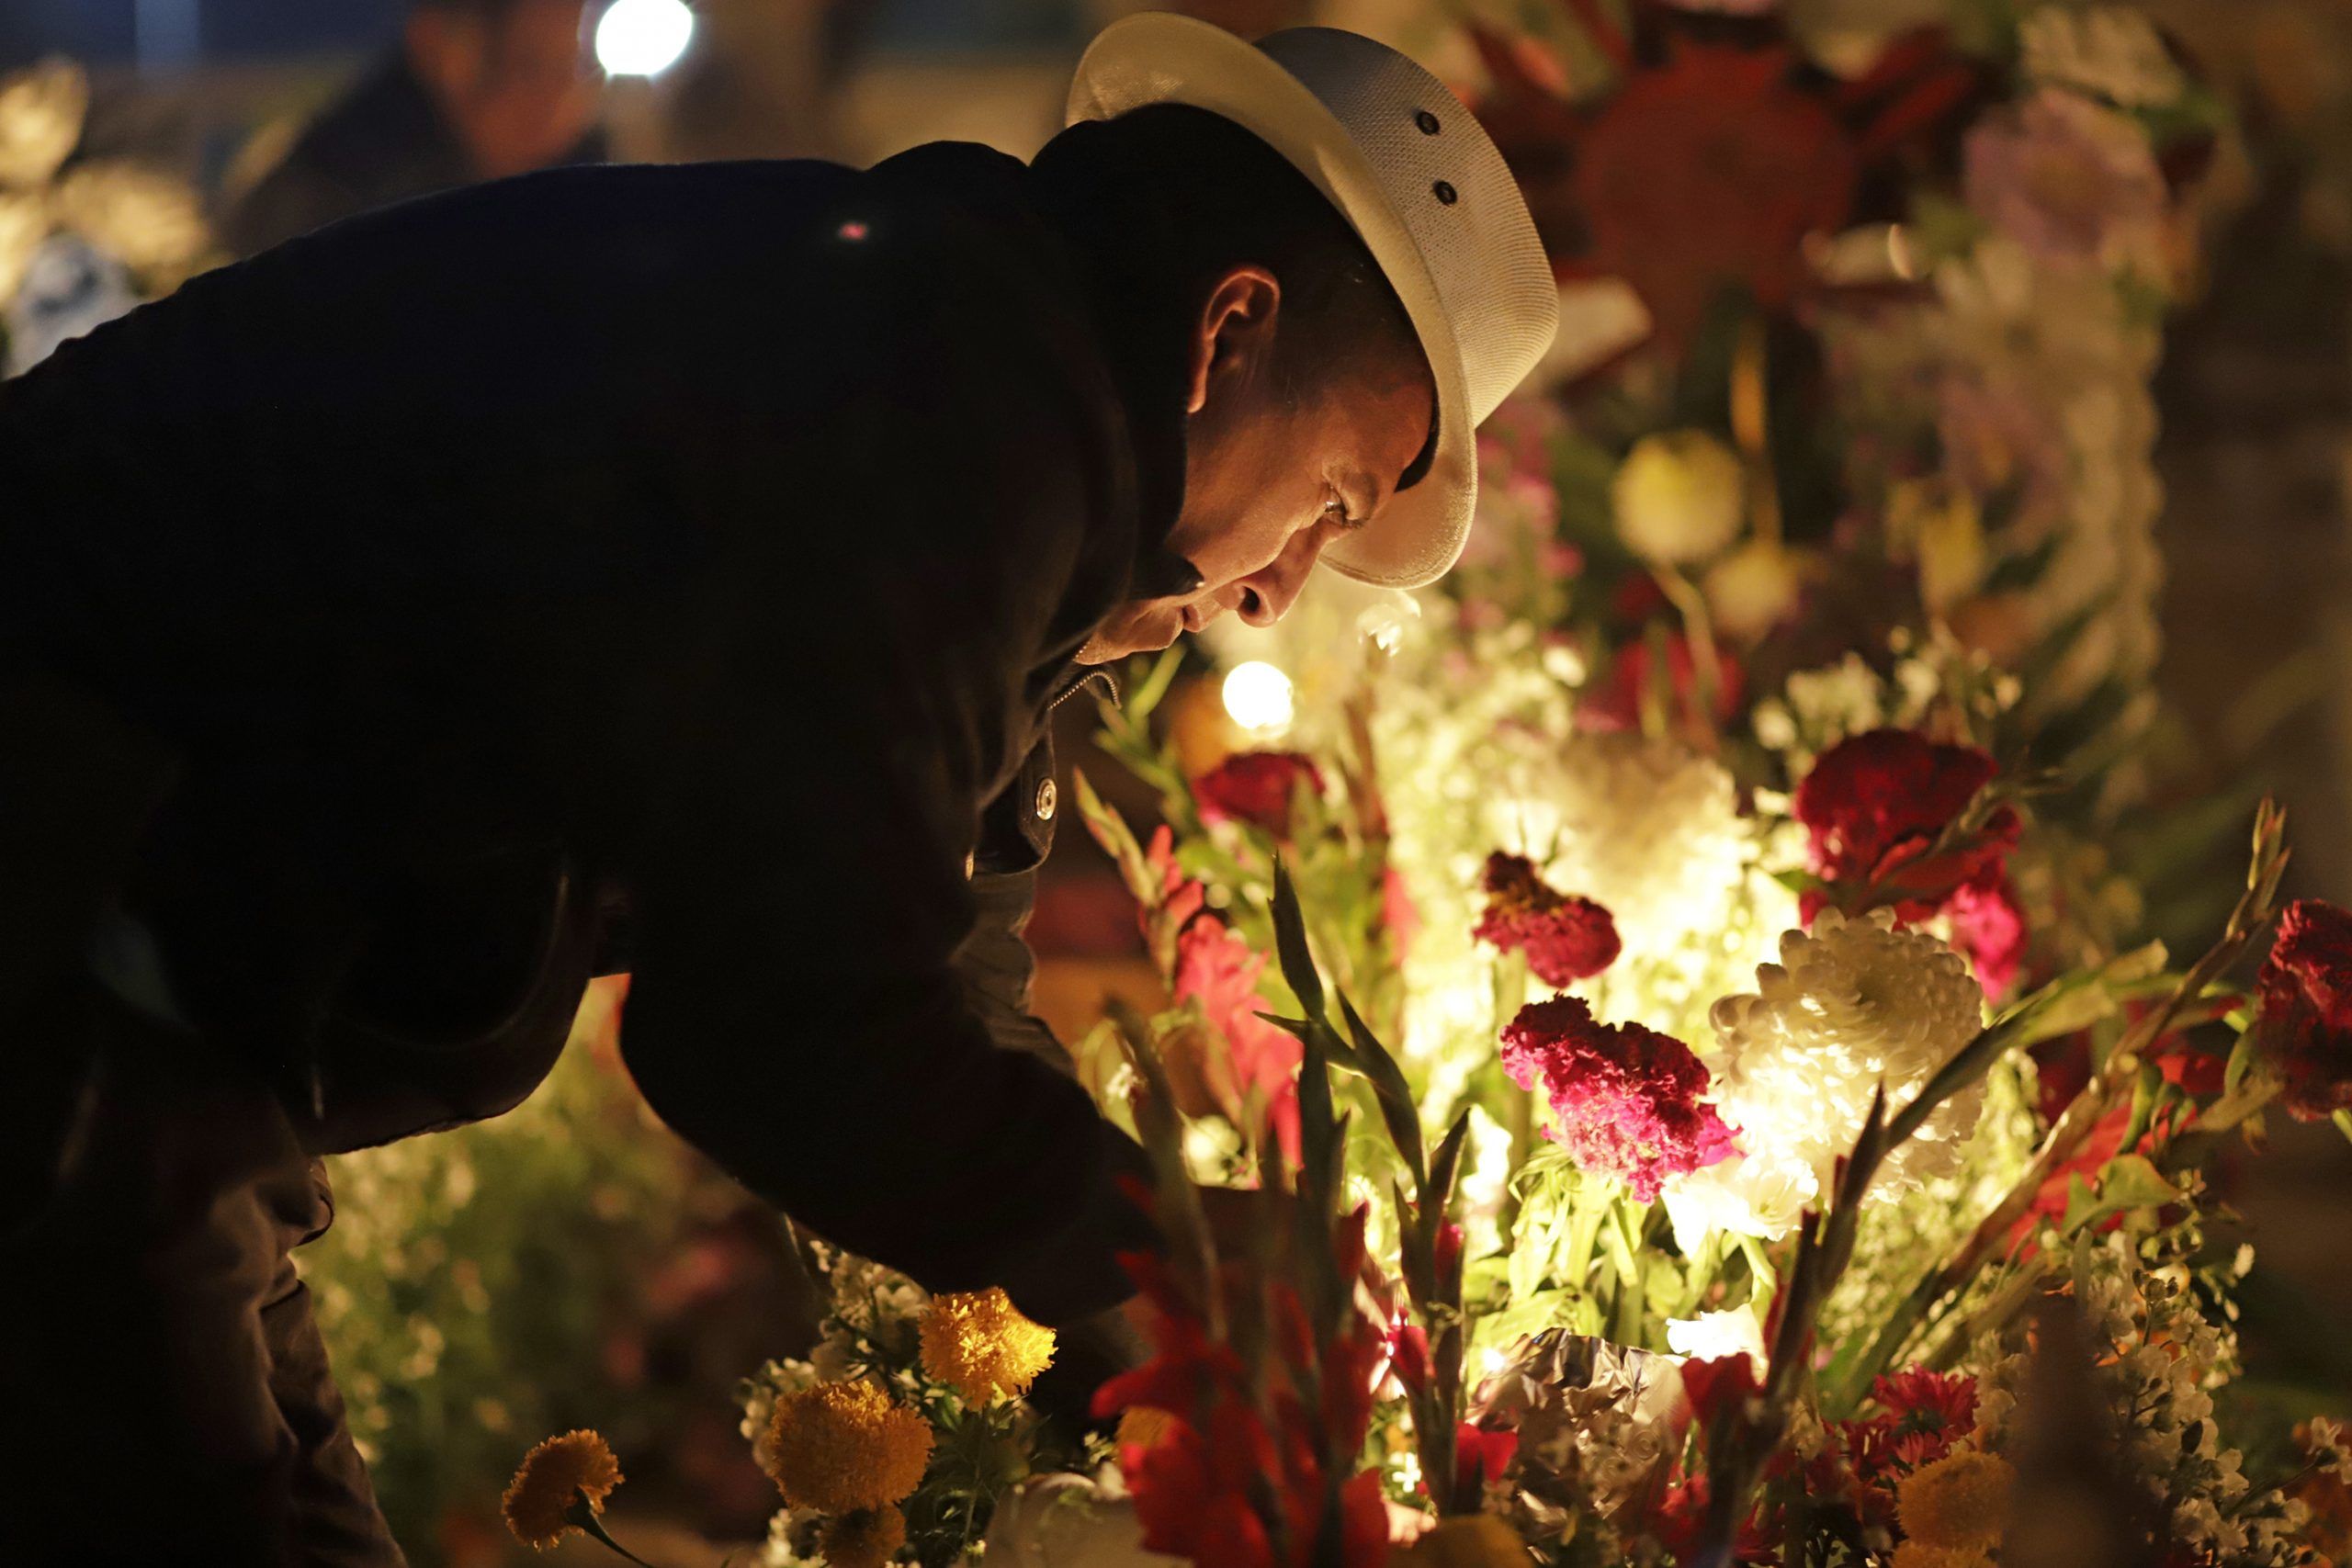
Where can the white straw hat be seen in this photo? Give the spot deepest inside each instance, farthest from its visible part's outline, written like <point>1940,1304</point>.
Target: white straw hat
<point>1415,173</point>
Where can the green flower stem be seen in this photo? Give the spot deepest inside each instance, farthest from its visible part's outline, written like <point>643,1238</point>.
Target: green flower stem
<point>584,1514</point>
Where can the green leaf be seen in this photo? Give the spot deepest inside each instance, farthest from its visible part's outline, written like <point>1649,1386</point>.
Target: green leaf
<point>2343,1119</point>
<point>1396,1097</point>
<point>2129,1183</point>
<point>1154,686</point>
<point>1447,1165</point>
<point>1290,945</point>
<point>1118,840</point>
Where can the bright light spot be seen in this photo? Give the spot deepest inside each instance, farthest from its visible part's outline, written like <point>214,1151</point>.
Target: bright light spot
<point>643,37</point>
<point>1258,697</point>
<point>1496,1361</point>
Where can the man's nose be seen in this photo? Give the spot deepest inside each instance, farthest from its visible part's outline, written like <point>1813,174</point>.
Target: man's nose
<point>1267,595</point>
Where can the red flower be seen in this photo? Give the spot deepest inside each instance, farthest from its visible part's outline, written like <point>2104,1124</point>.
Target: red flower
<point>1719,1385</point>
<point>2305,1019</point>
<point>2062,1069</point>
<point>1408,1355</point>
<point>1481,1457</point>
<point>1245,1472</point>
<point>1256,788</point>
<point>1875,807</point>
<point>1614,705</point>
<point>1220,971</point>
<point>1626,1098</point>
<point>1718,153</point>
<point>1566,938</point>
<point>1707,174</point>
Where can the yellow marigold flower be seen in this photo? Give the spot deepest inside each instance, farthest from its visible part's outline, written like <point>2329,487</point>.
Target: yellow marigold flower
<point>1142,1426</point>
<point>868,1539</point>
<point>553,1477</point>
<point>1960,1502</point>
<point>1471,1540</point>
<point>978,1343</point>
<point>1919,1554</point>
<point>840,1446</point>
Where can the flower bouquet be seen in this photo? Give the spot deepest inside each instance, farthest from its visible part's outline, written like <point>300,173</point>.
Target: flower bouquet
<point>1684,1002</point>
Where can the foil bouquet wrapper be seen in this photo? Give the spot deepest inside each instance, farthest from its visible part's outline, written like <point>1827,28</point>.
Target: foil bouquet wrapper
<point>1598,1423</point>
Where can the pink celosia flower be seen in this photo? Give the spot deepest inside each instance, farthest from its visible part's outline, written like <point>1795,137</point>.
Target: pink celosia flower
<point>1566,938</point>
<point>1988,928</point>
<point>1626,1099</point>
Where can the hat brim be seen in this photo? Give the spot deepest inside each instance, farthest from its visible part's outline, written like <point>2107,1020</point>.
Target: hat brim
<point>1159,58</point>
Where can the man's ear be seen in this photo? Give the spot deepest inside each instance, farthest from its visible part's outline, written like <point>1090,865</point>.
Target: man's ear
<point>446,49</point>
<point>1234,332</point>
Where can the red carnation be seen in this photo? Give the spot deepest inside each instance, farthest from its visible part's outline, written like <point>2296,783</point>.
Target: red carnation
<point>2305,1021</point>
<point>1566,938</point>
<point>1256,788</point>
<point>1625,1099</point>
<point>1875,805</point>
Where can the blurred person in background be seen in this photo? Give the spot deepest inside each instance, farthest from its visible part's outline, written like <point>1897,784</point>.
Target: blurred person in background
<point>474,90</point>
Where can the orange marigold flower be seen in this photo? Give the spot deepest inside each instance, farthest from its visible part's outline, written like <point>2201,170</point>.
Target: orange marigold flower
<point>868,1539</point>
<point>978,1343</point>
<point>842,1446</point>
<point>553,1478</point>
<point>1960,1503</point>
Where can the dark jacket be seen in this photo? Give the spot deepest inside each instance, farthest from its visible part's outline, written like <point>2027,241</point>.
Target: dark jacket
<point>709,541</point>
<point>383,140</point>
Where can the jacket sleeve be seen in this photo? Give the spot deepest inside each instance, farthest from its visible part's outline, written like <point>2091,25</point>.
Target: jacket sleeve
<point>797,1013</point>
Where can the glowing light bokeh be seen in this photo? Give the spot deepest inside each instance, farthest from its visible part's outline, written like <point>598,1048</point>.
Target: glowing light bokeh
<point>643,37</point>
<point>1257,697</point>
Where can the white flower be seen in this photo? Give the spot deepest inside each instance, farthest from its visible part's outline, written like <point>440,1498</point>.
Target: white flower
<point>40,120</point>
<point>1753,588</point>
<point>1679,497</point>
<point>1762,1194</point>
<point>1718,1336</point>
<point>1853,1006</point>
<point>2105,50</point>
<point>2323,1440</point>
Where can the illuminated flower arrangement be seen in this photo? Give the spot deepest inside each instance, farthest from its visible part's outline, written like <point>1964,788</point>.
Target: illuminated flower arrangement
<point>1610,979</point>
<point>1776,719</point>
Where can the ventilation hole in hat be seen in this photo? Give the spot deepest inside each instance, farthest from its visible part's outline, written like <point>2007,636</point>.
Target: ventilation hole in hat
<point>1427,121</point>
<point>1446,193</point>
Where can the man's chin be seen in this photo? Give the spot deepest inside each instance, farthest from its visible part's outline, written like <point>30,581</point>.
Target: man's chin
<point>1142,631</point>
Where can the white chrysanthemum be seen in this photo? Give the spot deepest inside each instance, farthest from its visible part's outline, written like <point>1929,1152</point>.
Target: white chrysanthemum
<point>1679,497</point>
<point>2106,50</point>
<point>1851,1005</point>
